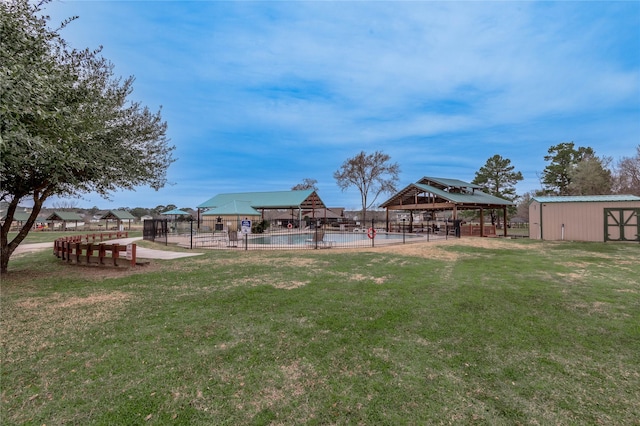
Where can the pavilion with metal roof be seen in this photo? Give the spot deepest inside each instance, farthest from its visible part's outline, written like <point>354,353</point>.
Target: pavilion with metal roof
<point>443,194</point>
<point>232,203</point>
<point>64,218</point>
<point>119,216</point>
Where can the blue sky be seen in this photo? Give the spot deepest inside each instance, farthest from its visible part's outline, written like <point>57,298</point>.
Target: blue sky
<point>261,95</point>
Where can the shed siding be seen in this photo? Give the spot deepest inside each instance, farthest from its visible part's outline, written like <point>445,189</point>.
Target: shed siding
<point>583,221</point>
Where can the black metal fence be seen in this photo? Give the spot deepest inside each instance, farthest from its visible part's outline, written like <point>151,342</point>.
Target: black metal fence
<point>289,236</point>
<point>155,230</point>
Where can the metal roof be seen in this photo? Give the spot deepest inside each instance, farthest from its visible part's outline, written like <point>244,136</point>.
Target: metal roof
<point>268,200</point>
<point>118,214</point>
<point>446,182</point>
<point>448,191</point>
<point>585,198</point>
<point>18,216</point>
<point>65,216</point>
<point>235,207</point>
<point>176,212</point>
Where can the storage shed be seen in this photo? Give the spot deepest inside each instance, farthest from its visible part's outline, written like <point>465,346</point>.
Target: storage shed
<point>585,218</point>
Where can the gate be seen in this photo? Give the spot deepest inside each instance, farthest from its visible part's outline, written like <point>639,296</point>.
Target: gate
<point>155,230</point>
<point>622,224</point>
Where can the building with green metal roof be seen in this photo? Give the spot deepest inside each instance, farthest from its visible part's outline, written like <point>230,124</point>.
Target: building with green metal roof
<point>432,194</point>
<point>119,216</point>
<point>65,218</point>
<point>254,204</point>
<point>585,218</point>
<point>268,200</point>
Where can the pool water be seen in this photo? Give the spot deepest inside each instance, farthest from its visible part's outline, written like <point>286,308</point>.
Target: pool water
<point>339,238</point>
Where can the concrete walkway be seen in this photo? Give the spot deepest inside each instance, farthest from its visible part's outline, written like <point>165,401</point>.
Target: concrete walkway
<point>141,252</point>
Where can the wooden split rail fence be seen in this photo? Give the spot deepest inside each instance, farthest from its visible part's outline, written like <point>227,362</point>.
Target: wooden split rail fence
<point>83,249</point>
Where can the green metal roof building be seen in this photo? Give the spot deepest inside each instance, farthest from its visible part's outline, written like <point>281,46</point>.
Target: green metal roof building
<point>268,200</point>
<point>255,203</point>
<point>442,194</point>
<point>64,218</point>
<point>118,216</point>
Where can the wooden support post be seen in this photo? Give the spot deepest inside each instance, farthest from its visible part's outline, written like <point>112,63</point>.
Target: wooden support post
<point>133,255</point>
<point>504,220</point>
<point>78,250</point>
<point>115,253</point>
<point>89,252</point>
<point>102,253</point>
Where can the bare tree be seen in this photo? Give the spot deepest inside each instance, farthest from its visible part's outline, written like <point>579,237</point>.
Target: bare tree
<point>307,183</point>
<point>627,175</point>
<point>371,174</point>
<point>522,205</point>
<point>65,205</point>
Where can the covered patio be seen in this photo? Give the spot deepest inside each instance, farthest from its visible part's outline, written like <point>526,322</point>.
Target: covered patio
<point>433,195</point>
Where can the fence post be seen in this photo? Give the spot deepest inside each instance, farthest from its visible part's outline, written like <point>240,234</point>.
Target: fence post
<point>315,239</point>
<point>115,253</point>
<point>102,253</point>
<point>133,255</point>
<point>373,233</point>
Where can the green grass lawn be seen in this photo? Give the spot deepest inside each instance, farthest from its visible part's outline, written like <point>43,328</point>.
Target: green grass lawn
<point>511,332</point>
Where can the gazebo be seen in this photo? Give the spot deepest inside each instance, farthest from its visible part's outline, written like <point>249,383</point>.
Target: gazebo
<point>119,216</point>
<point>432,194</point>
<point>175,213</point>
<point>64,218</point>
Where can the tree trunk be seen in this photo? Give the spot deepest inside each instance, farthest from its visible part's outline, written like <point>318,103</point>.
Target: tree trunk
<point>7,248</point>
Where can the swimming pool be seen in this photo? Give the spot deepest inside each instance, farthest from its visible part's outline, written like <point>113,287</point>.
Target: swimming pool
<point>337,238</point>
